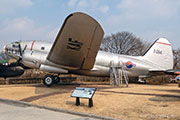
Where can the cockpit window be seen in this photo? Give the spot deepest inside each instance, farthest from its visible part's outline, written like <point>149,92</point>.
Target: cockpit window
<point>42,48</point>
<point>15,45</point>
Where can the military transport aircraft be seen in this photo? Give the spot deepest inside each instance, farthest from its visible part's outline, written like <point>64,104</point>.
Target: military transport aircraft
<point>76,51</point>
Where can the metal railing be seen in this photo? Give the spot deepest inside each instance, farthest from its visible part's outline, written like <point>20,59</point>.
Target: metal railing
<point>118,74</point>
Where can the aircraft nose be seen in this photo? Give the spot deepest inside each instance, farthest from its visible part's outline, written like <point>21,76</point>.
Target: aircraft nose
<point>5,48</point>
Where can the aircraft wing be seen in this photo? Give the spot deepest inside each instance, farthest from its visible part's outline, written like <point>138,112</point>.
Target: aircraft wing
<point>77,42</point>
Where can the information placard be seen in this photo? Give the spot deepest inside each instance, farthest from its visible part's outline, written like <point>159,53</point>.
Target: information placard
<point>83,92</point>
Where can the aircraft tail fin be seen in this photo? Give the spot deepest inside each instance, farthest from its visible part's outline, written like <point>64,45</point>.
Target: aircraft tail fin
<point>160,53</point>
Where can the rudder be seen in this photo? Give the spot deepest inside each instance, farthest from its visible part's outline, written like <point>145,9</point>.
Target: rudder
<point>160,53</point>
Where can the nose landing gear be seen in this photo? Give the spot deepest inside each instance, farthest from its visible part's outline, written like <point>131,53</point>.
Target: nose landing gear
<point>49,80</point>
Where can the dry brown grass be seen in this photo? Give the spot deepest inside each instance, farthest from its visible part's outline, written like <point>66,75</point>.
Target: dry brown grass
<point>135,102</point>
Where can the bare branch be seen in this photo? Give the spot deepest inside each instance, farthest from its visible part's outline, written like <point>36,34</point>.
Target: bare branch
<point>124,43</point>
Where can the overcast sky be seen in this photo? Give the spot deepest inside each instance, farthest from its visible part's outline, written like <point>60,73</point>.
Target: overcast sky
<point>41,19</point>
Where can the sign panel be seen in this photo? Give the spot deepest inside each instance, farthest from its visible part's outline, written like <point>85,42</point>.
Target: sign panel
<point>82,92</point>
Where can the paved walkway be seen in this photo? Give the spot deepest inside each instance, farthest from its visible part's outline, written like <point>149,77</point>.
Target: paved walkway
<point>10,111</point>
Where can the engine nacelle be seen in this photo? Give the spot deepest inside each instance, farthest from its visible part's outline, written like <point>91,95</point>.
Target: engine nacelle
<point>52,69</point>
<point>33,59</point>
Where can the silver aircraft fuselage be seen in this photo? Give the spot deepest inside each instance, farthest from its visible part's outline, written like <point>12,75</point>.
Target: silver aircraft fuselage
<point>35,56</point>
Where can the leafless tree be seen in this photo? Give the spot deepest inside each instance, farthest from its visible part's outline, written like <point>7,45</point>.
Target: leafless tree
<point>176,58</point>
<point>124,43</point>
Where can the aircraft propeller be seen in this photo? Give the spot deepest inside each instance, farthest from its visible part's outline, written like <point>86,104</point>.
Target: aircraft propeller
<point>19,61</point>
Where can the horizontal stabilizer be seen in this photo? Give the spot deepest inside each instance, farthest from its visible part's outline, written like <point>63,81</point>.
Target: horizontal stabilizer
<point>156,72</point>
<point>172,72</point>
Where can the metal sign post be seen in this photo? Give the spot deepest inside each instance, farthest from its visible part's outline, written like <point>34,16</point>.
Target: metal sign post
<point>82,92</point>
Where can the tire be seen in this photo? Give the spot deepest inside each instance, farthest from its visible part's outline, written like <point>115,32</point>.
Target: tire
<point>48,80</point>
<point>56,80</point>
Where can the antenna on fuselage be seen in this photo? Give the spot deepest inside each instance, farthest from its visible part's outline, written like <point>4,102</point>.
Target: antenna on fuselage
<point>20,37</point>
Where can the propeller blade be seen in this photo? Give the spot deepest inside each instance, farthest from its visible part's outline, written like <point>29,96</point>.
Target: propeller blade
<point>19,44</point>
<point>24,48</point>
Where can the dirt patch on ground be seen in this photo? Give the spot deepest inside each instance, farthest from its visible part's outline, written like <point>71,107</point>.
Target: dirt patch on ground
<point>142,102</point>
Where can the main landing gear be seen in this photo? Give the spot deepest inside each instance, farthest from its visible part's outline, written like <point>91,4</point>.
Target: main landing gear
<point>49,80</point>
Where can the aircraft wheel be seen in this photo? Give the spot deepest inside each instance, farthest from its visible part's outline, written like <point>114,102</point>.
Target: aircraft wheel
<point>48,80</point>
<point>56,80</point>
